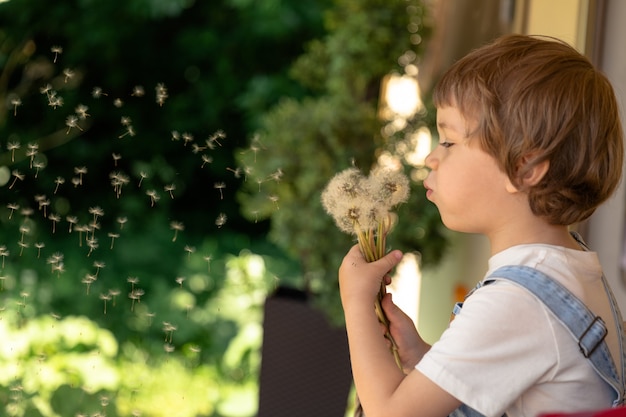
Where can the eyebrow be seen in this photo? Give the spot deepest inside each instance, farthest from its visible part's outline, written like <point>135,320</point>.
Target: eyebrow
<point>444,125</point>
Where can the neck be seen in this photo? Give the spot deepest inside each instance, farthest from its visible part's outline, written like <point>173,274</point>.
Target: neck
<point>540,233</point>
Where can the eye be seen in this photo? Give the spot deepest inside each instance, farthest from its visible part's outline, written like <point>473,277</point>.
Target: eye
<point>446,144</point>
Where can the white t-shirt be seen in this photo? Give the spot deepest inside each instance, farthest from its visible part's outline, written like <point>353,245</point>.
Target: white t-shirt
<point>506,352</point>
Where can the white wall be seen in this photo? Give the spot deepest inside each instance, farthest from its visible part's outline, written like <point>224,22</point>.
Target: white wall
<point>606,227</point>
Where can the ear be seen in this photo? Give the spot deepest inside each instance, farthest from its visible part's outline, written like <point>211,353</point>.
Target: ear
<point>531,175</point>
<point>535,174</point>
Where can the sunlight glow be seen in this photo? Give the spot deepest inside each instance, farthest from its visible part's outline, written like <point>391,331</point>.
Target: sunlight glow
<point>401,95</point>
<point>421,141</point>
<point>405,286</point>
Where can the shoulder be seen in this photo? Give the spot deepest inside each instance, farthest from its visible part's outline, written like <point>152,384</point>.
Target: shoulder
<point>501,334</point>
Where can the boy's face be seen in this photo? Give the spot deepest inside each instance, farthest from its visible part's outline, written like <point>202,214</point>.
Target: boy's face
<point>465,182</point>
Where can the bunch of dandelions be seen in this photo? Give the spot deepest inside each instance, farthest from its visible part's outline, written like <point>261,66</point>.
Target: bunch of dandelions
<point>362,206</point>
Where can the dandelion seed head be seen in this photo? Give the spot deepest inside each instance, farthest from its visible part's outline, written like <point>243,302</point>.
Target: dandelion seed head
<point>392,187</point>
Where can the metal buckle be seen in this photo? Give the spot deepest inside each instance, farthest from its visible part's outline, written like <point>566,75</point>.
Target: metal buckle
<point>597,332</point>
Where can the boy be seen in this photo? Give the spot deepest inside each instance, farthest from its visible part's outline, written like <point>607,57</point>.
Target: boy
<point>530,142</point>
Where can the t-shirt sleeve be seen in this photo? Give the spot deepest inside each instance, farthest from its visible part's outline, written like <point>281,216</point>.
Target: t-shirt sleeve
<point>501,343</point>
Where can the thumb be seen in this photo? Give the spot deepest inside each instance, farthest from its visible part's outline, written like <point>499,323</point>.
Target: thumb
<point>389,261</point>
<point>394,313</point>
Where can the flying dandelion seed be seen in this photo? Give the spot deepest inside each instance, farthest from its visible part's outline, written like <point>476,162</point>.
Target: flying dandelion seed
<point>206,159</point>
<point>154,197</point>
<point>176,227</point>
<point>196,149</point>
<point>4,252</point>
<point>72,220</point>
<point>118,180</point>
<point>69,74</point>
<point>46,89</point>
<point>213,139</point>
<point>12,147</point>
<point>236,172</point>
<point>105,298</point>
<point>113,236</point>
<point>114,292</point>
<point>135,295</point>
<point>207,259</point>
<point>32,151</point>
<point>189,250</point>
<point>221,220</point>
<point>12,207</point>
<point>274,199</point>
<point>161,94</point>
<point>58,181</point>
<point>54,218</point>
<point>39,246</point>
<point>130,131</point>
<point>54,101</point>
<point>43,204</point>
<point>88,280</point>
<point>142,176</point>
<point>150,317</point>
<point>98,265</point>
<point>81,111</point>
<point>96,212</point>
<point>277,175</point>
<point>81,229</point>
<point>26,212</point>
<point>121,221</point>
<point>38,166</point>
<point>187,138</point>
<point>170,189</point>
<point>80,171</point>
<point>22,245</point>
<point>16,102</point>
<point>18,176</point>
<point>56,50</point>
<point>138,91</point>
<point>220,186</point>
<point>132,281</point>
<point>72,122</point>
<point>169,330</point>
<point>92,243</point>
<point>97,92</point>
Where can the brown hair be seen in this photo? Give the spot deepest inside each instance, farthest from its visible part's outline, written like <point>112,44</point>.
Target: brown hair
<point>539,99</point>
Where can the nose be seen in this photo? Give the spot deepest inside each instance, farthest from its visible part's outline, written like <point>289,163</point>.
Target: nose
<point>431,160</point>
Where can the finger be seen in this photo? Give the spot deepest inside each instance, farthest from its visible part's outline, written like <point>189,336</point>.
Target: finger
<point>389,261</point>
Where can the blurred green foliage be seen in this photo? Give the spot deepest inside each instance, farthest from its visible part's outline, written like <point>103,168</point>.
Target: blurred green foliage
<point>172,282</point>
<point>306,141</point>
<point>131,283</point>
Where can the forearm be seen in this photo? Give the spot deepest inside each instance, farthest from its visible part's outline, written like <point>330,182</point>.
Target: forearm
<point>376,374</point>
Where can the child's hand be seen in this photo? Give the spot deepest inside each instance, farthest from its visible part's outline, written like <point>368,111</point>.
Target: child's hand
<point>410,345</point>
<point>359,280</point>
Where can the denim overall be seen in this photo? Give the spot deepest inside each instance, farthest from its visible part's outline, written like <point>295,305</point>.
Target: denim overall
<point>588,330</point>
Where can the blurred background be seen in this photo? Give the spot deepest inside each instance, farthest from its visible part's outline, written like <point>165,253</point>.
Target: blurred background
<point>160,169</point>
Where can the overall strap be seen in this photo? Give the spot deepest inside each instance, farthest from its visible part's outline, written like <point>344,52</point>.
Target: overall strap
<point>587,329</point>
